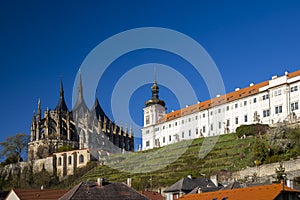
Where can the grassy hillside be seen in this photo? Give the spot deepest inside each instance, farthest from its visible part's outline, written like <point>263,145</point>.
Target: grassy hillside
<point>229,154</point>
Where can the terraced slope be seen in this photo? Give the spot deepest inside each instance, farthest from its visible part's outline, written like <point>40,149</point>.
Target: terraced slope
<point>228,154</point>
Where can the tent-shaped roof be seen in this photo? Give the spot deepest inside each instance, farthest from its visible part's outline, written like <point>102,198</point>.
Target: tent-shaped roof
<point>112,191</point>
<point>187,184</point>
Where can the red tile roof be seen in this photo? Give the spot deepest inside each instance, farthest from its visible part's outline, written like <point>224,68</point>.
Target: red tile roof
<point>152,195</point>
<point>265,192</point>
<point>32,194</point>
<point>222,99</point>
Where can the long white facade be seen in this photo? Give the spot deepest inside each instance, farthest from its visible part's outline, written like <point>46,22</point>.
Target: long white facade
<point>269,102</point>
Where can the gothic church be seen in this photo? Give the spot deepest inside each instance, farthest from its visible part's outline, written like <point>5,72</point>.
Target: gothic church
<point>79,128</point>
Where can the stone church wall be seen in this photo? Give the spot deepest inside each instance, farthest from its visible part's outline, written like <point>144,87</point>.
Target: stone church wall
<point>60,164</point>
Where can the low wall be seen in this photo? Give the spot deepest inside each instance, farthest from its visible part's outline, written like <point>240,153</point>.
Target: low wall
<point>268,169</point>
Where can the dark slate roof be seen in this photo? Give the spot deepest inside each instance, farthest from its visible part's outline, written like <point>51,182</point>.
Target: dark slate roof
<point>99,111</point>
<point>3,194</point>
<point>188,184</point>
<point>234,185</point>
<point>198,189</point>
<point>80,105</point>
<point>111,191</point>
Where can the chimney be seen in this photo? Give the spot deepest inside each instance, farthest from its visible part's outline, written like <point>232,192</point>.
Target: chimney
<point>286,73</point>
<point>129,182</point>
<point>99,181</point>
<point>214,179</point>
<point>290,183</point>
<point>274,77</point>
<point>237,89</point>
<point>251,84</point>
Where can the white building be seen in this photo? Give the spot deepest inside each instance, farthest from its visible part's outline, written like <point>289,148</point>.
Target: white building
<point>269,102</point>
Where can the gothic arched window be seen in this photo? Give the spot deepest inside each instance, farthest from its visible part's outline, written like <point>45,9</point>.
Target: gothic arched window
<point>81,158</point>
<point>59,161</point>
<point>70,160</point>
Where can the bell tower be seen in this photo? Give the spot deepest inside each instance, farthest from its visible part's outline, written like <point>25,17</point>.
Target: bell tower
<point>155,107</point>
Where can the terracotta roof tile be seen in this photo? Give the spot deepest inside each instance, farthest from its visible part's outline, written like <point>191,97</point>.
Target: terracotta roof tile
<point>265,192</point>
<point>32,194</point>
<point>152,195</point>
<point>222,99</point>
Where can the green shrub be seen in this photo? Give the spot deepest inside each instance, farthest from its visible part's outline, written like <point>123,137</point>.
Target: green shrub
<point>252,129</point>
<point>65,148</point>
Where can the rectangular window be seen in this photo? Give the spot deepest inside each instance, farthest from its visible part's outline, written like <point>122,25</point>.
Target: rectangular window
<point>164,139</point>
<point>278,109</point>
<point>294,88</point>
<point>203,115</point>
<point>277,93</point>
<point>211,127</point>
<point>211,113</point>
<point>189,119</point>
<point>203,128</point>
<point>169,125</point>
<point>147,120</point>
<point>175,123</point>
<point>219,110</point>
<point>190,132</point>
<point>236,120</point>
<point>196,131</point>
<point>228,122</point>
<point>163,127</point>
<point>196,117</point>
<point>266,113</point>
<point>266,96</point>
<point>156,129</point>
<point>245,103</point>
<point>294,106</point>
<point>147,143</point>
<point>227,108</point>
<point>245,118</point>
<point>220,125</point>
<point>147,131</point>
<point>182,134</point>
<point>236,105</point>
<point>182,122</point>
<point>254,100</point>
<point>170,138</point>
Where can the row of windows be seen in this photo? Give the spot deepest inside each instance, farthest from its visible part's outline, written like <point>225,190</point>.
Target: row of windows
<point>278,109</point>
<point>266,113</point>
<point>81,160</point>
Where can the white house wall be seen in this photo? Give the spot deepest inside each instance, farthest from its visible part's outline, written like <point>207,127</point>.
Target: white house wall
<point>213,121</point>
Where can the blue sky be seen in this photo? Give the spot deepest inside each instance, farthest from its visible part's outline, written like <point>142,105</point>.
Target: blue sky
<point>249,41</point>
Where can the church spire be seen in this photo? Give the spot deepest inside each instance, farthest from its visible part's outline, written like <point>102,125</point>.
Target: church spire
<point>80,94</point>
<point>155,90</point>
<point>80,103</point>
<point>61,89</point>
<point>61,106</point>
<point>39,110</point>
